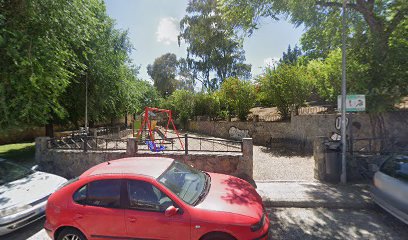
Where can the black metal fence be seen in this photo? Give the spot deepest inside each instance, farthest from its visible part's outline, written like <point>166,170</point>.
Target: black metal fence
<point>86,143</point>
<point>188,144</point>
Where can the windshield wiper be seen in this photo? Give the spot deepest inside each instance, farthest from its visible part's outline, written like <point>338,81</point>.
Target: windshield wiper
<point>206,189</point>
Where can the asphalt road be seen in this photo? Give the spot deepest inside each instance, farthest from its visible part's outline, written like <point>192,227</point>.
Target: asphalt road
<point>299,223</point>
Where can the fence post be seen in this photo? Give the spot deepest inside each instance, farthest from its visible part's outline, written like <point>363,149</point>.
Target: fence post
<point>41,148</point>
<point>186,144</point>
<point>131,147</point>
<point>85,143</point>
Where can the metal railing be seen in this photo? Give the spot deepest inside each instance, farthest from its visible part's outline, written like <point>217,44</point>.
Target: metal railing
<point>86,143</point>
<point>190,144</point>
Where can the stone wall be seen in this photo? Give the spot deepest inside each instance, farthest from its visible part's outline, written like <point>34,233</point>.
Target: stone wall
<point>72,163</point>
<point>305,128</point>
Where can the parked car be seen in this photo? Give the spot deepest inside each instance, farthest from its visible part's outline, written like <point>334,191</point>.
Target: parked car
<point>155,198</point>
<point>390,189</point>
<point>23,194</point>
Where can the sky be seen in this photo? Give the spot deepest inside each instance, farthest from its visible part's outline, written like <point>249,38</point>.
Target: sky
<point>153,27</point>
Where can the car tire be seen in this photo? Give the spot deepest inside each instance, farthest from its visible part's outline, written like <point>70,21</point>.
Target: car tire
<point>218,236</point>
<point>71,234</point>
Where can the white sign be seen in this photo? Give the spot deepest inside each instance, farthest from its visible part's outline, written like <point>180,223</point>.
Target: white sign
<point>354,103</point>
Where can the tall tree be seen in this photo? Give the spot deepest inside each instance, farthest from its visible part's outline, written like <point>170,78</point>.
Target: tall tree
<point>290,56</point>
<point>378,26</point>
<point>163,72</point>
<point>49,50</point>
<point>214,51</point>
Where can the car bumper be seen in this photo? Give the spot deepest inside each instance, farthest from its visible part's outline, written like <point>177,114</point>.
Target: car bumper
<point>265,230</point>
<point>397,209</point>
<point>13,222</point>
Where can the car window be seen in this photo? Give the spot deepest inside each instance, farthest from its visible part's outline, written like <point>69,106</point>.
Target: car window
<point>186,182</point>
<point>80,195</point>
<point>104,193</point>
<point>397,167</point>
<point>146,197</point>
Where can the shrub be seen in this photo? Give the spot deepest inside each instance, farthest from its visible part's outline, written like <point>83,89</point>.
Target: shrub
<point>286,87</point>
<point>237,97</point>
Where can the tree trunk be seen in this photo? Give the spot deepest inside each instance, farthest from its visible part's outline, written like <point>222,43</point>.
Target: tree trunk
<point>49,130</point>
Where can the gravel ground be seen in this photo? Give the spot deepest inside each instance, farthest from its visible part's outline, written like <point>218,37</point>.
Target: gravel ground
<point>270,166</point>
<point>320,223</point>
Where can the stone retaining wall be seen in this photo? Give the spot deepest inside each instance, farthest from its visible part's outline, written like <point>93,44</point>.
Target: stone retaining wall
<point>305,128</point>
<point>72,163</point>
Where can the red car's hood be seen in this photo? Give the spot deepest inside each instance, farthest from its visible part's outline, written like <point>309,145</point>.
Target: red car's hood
<point>234,195</point>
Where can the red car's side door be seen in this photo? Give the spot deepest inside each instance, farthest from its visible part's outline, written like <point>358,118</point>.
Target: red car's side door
<point>145,216</point>
<point>99,211</point>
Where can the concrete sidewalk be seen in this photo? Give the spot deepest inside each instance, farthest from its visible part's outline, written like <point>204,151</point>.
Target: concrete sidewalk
<point>302,194</point>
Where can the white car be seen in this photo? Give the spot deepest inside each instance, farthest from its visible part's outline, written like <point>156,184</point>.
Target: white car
<point>390,186</point>
<point>23,194</point>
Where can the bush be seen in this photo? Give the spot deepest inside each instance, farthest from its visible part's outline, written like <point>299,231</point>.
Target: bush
<point>237,97</point>
<point>206,104</point>
<point>286,87</point>
<point>181,103</point>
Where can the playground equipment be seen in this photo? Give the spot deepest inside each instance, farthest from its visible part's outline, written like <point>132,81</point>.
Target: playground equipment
<point>150,126</point>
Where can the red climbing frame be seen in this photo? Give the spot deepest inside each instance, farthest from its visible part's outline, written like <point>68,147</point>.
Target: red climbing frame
<point>146,121</point>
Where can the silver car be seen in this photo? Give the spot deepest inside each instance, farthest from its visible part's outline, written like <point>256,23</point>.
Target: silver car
<point>390,189</point>
<point>23,194</point>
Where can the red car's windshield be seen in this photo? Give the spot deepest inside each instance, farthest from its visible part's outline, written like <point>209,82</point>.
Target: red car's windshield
<point>186,182</point>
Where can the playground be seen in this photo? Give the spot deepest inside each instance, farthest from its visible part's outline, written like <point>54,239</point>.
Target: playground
<point>155,138</point>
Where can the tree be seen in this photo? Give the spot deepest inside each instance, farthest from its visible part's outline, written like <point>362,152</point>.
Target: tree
<point>181,102</point>
<point>376,32</point>
<point>185,75</point>
<point>291,56</point>
<point>237,96</point>
<point>163,72</point>
<point>49,50</point>
<point>287,87</point>
<point>213,48</point>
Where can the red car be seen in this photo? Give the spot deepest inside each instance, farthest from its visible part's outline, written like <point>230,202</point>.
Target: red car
<point>155,198</point>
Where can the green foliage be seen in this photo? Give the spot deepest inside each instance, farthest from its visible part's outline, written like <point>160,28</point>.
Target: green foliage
<point>206,104</point>
<point>181,102</point>
<point>237,97</point>
<point>287,87</point>
<point>49,50</point>
<point>163,72</point>
<point>290,56</point>
<point>212,46</point>
<point>376,39</point>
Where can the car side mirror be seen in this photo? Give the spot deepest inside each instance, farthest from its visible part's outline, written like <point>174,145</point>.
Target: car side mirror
<point>34,168</point>
<point>171,211</point>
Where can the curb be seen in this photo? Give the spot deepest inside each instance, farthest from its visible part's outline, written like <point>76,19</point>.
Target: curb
<point>318,204</point>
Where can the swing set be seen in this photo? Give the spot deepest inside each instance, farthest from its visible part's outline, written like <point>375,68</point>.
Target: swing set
<point>151,129</point>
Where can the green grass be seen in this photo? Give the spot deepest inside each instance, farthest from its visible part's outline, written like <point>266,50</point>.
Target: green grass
<point>22,153</point>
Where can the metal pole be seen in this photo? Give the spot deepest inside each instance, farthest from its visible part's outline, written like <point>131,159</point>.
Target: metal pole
<point>86,104</point>
<point>343,99</point>
<point>186,144</point>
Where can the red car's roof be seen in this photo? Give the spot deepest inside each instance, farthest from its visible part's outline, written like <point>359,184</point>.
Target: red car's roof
<point>148,166</point>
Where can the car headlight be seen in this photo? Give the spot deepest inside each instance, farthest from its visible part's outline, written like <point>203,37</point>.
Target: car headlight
<point>13,210</point>
<point>259,224</point>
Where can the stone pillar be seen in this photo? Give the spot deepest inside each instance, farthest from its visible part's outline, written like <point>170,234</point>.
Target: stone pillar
<point>41,148</point>
<point>319,158</point>
<point>248,156</point>
<point>131,149</point>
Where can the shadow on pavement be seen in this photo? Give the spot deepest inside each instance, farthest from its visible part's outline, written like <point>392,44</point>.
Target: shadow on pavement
<point>321,223</point>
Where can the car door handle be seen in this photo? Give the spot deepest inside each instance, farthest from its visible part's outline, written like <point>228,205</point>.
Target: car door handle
<point>78,216</point>
<point>132,219</point>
